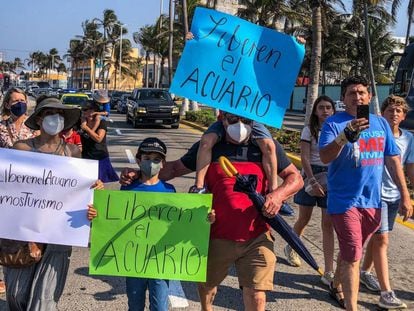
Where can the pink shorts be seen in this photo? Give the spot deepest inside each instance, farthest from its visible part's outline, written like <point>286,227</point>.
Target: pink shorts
<point>353,228</point>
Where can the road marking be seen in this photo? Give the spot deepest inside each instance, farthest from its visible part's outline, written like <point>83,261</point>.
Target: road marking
<point>130,156</point>
<point>118,131</point>
<point>405,223</point>
<point>177,295</point>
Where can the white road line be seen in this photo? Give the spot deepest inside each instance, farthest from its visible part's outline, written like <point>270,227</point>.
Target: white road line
<point>177,296</point>
<point>118,131</point>
<point>130,156</point>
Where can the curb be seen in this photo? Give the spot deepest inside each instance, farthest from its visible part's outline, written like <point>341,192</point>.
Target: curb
<point>194,125</point>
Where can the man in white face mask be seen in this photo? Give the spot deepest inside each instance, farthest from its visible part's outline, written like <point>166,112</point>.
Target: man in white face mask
<point>239,236</point>
<point>237,128</point>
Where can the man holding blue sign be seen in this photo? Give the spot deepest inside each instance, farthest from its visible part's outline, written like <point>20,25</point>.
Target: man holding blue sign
<point>240,235</point>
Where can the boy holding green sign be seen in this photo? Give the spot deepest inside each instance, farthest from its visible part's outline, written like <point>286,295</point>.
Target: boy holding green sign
<point>150,158</point>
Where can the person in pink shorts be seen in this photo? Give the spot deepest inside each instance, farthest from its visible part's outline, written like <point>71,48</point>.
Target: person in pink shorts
<point>357,148</point>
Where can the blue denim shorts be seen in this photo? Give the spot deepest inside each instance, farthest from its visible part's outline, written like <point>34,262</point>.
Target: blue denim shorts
<point>389,212</point>
<point>303,198</point>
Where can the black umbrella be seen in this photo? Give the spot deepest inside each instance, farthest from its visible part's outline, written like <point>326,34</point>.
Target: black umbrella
<point>247,184</point>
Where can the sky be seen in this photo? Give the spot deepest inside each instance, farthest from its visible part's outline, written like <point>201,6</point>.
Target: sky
<point>32,25</point>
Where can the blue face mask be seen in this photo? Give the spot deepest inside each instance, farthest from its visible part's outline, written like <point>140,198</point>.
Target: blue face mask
<point>18,109</point>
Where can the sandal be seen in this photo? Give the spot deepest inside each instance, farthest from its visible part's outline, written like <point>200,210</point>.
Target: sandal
<point>337,295</point>
<point>2,287</point>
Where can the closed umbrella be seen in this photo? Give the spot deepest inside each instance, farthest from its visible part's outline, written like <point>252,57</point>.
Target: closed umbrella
<point>247,184</point>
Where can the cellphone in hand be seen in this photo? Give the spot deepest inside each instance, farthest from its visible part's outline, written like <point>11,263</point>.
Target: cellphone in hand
<point>363,112</point>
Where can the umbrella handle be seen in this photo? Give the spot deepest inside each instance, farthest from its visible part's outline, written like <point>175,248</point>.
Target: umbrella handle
<point>227,167</point>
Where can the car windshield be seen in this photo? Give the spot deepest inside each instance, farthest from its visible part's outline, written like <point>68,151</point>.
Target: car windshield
<point>153,94</point>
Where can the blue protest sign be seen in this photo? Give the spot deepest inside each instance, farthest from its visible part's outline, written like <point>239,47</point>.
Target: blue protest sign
<point>239,67</point>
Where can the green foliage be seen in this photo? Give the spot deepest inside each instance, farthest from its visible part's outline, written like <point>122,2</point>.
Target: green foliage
<point>289,139</point>
<point>203,117</point>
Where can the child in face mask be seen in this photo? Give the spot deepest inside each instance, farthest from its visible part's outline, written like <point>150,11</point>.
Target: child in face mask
<point>240,130</point>
<point>150,158</point>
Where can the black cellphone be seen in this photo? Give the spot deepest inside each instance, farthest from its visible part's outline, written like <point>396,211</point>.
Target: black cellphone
<point>363,112</point>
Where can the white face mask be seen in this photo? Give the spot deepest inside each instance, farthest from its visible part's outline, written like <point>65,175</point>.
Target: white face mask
<point>53,124</point>
<point>239,131</point>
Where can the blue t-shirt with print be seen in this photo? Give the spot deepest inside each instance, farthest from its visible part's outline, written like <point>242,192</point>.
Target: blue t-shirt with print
<point>161,186</point>
<point>354,177</point>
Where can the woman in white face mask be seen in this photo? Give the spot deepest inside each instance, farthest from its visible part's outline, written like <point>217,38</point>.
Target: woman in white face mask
<point>50,118</point>
<point>40,285</point>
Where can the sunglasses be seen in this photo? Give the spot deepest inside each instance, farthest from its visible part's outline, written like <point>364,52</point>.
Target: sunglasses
<point>232,119</point>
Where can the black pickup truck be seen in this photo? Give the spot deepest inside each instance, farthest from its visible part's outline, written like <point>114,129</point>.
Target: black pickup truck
<point>148,106</point>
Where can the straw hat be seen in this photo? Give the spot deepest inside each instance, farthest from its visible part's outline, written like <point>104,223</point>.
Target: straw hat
<point>71,114</point>
<point>101,96</point>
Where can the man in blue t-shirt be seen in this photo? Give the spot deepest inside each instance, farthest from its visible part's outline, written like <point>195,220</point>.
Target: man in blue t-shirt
<point>357,150</point>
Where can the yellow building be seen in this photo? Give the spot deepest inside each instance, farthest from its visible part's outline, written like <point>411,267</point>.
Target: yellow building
<point>82,75</point>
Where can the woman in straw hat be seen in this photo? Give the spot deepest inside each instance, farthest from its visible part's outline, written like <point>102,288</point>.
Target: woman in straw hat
<point>40,286</point>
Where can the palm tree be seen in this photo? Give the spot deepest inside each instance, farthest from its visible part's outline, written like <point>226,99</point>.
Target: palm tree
<point>321,11</point>
<point>147,39</point>
<point>372,9</point>
<point>315,64</point>
<point>94,45</point>
<point>410,12</point>
<point>108,22</point>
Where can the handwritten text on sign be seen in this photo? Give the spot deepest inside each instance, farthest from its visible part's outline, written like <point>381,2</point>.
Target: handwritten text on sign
<point>44,198</point>
<point>238,67</point>
<point>150,234</point>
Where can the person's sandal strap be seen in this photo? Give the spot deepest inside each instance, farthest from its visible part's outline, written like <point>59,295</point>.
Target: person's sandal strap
<point>335,294</point>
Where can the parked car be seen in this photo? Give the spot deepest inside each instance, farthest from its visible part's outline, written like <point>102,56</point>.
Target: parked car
<point>152,106</point>
<point>66,91</point>
<point>121,104</point>
<point>115,96</point>
<point>31,89</point>
<point>42,91</point>
<point>75,99</point>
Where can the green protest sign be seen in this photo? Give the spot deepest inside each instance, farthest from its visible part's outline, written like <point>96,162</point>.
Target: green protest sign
<point>150,234</point>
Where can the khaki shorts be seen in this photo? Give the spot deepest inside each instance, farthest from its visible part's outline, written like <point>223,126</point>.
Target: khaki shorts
<point>254,260</point>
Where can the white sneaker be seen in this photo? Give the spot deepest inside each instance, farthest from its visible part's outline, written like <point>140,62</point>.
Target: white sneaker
<point>389,301</point>
<point>292,257</point>
<point>327,277</point>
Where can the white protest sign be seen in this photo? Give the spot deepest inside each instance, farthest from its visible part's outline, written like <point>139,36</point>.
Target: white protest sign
<point>44,198</point>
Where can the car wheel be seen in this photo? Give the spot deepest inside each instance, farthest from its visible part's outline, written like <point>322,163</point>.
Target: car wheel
<point>175,126</point>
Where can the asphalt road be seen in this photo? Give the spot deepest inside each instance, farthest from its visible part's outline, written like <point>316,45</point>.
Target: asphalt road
<point>295,288</point>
